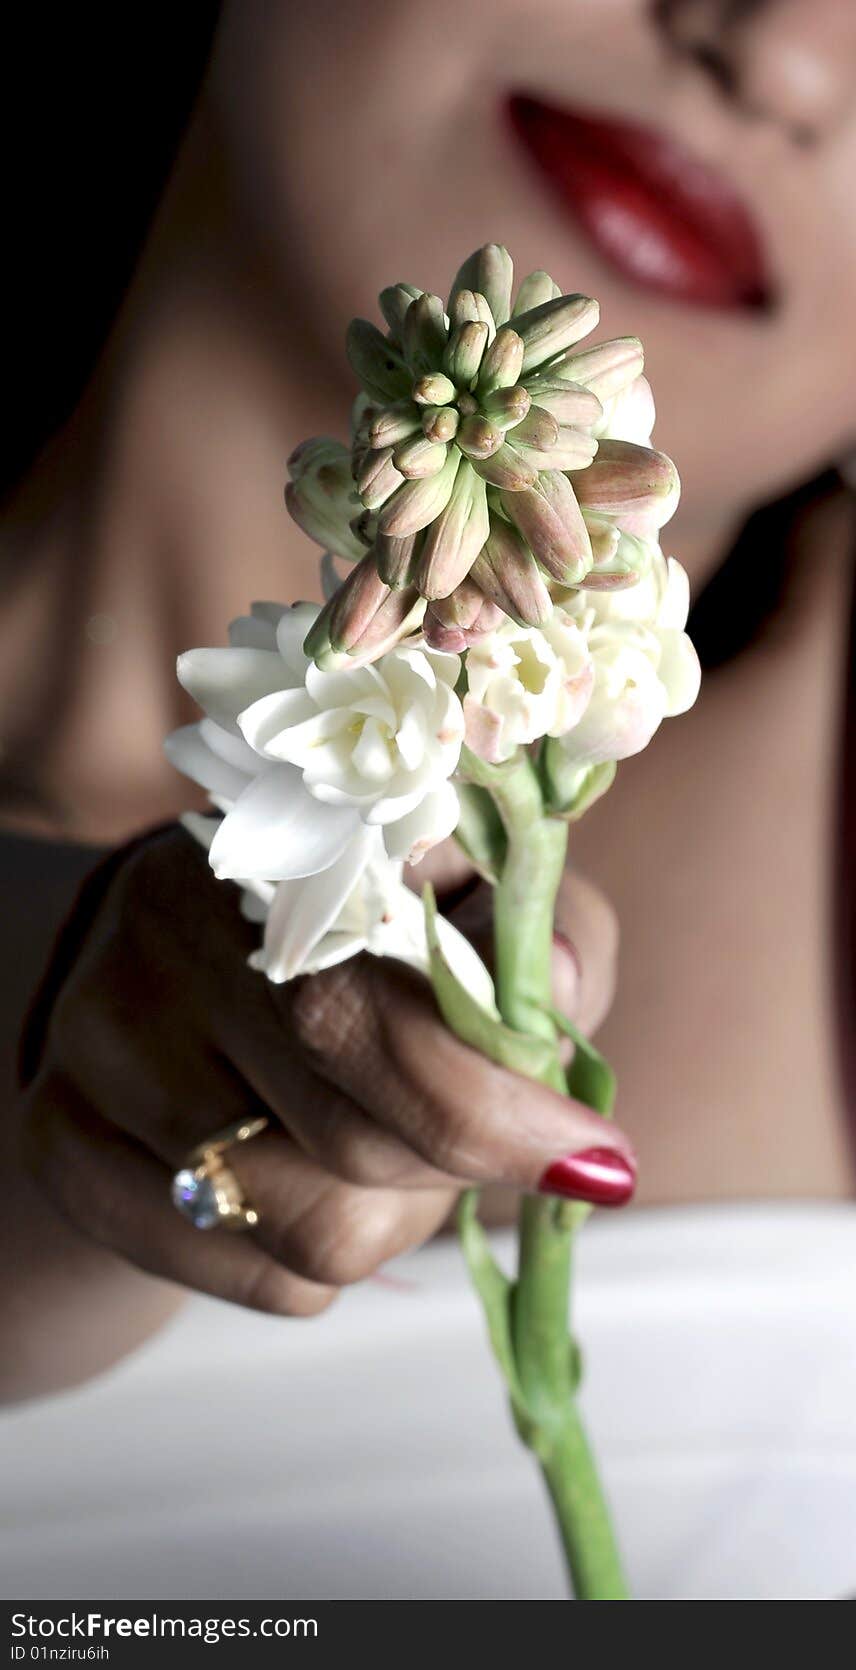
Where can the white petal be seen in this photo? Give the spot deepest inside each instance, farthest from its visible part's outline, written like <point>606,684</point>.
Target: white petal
<point>291,630</point>
<point>277,830</point>
<point>435,817</point>
<point>225,681</point>
<point>371,754</point>
<point>675,604</point>
<point>304,911</point>
<point>189,752</point>
<point>679,672</point>
<point>233,749</point>
<point>264,719</point>
<point>405,939</point>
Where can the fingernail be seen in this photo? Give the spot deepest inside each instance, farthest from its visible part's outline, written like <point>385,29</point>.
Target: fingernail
<point>601,1176</point>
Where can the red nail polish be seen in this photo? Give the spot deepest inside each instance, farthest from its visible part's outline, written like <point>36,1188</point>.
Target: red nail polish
<point>601,1176</point>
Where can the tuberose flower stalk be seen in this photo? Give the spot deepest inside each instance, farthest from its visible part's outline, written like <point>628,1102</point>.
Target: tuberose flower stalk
<point>509,631</point>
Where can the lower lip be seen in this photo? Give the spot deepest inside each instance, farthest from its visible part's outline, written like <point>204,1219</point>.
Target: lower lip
<point>659,216</point>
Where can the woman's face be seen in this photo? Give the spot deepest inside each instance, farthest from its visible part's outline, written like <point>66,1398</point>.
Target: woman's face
<point>374,143</point>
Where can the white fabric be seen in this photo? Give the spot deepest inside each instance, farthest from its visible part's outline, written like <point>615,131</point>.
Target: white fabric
<point>369,1453</point>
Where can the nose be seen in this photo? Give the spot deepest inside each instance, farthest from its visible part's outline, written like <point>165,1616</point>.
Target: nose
<point>792,62</point>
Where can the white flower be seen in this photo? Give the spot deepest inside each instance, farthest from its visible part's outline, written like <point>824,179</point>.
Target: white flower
<point>301,760</point>
<point>628,415</point>
<point>359,904</point>
<point>525,683</point>
<point>645,666</point>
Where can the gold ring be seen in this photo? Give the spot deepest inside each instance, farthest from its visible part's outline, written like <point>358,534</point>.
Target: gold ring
<point>206,1190</point>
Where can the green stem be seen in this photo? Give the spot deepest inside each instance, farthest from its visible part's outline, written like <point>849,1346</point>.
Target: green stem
<point>524,905</point>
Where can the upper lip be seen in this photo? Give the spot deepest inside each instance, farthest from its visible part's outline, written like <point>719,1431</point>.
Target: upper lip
<point>653,209</point>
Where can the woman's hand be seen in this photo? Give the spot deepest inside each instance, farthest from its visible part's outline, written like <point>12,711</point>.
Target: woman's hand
<point>159,1035</point>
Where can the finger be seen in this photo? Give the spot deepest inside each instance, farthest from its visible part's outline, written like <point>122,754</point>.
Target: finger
<point>586,943</point>
<point>325,1122</point>
<point>172,1094</point>
<point>330,1232</point>
<point>117,1194</point>
<point>373,1030</point>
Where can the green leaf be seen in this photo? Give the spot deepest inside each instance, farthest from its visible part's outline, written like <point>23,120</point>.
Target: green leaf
<point>492,1285</point>
<point>471,1023</point>
<point>590,1078</point>
<point>480,831</point>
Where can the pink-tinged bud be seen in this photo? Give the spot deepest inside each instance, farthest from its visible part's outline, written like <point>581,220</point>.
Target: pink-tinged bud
<point>417,457</point>
<point>321,497</point>
<point>478,437</point>
<point>507,406</point>
<point>461,608</point>
<point>506,470</point>
<point>568,402</point>
<point>454,540</point>
<point>417,503</point>
<point>502,362</point>
<point>394,302</point>
<point>608,368</point>
<point>377,477</point>
<point>434,390</point>
<point>490,271</point>
<point>364,617</point>
<point>463,355</point>
<point>508,575</point>
<point>440,423</point>
<point>574,450</point>
<point>424,335</point>
<point>554,326</point>
<point>394,425</point>
<point>397,559</point>
<point>637,486</point>
<point>355,605</point>
<point>455,638</point>
<point>537,430</point>
<point>551,522</point>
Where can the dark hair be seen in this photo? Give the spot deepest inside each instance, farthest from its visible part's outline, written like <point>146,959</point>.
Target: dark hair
<point>93,112</point>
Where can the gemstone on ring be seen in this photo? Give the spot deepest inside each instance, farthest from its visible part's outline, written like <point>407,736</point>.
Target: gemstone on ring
<point>196,1199</point>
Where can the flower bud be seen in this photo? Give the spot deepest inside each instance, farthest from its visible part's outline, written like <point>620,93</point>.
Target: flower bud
<point>434,390</point>
<point>535,289</point>
<point>463,355</point>
<point>634,484</point>
<point>377,477</point>
<point>394,424</point>
<point>551,522</point>
<point>507,406</point>
<point>552,327</point>
<point>417,503</point>
<point>397,559</point>
<point>394,302</point>
<point>425,334</point>
<point>507,470</point>
<point>489,271</point>
<point>440,423</point>
<point>478,437</point>
<point>417,457</point>
<point>320,495</point>
<point>502,362</point>
<point>454,539</point>
<point>607,368</point>
<point>507,573</point>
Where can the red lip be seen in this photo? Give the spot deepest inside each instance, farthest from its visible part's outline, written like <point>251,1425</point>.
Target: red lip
<point>652,210</point>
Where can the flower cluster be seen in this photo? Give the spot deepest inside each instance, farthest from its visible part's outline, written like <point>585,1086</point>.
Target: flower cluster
<point>491,457</point>
<point>501,505</point>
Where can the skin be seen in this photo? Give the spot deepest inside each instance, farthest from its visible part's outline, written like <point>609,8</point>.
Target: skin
<point>160,512</point>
